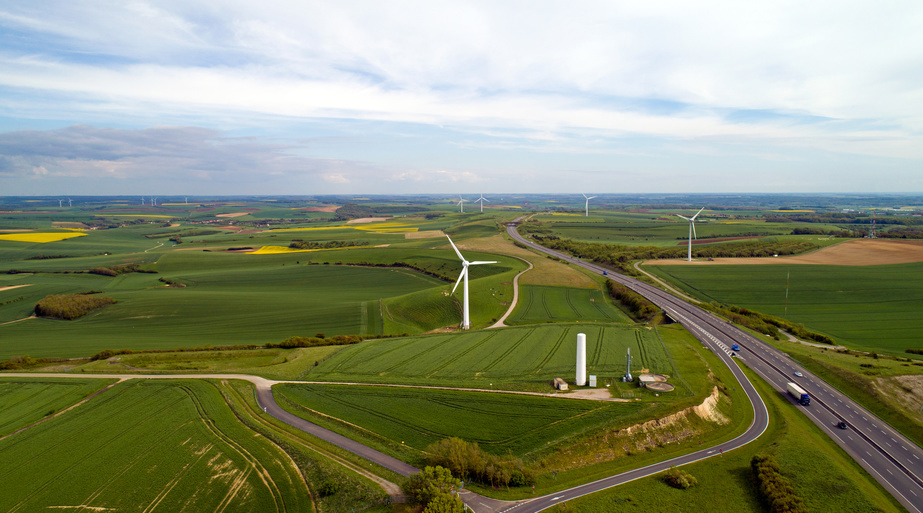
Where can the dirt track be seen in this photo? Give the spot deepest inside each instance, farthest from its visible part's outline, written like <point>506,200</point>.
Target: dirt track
<point>853,252</point>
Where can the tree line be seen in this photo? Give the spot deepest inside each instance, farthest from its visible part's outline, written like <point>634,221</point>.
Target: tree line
<point>70,306</point>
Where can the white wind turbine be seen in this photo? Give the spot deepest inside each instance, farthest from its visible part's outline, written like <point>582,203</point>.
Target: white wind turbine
<point>466,318</point>
<point>461,204</point>
<point>588,203</point>
<point>481,200</point>
<point>691,231</point>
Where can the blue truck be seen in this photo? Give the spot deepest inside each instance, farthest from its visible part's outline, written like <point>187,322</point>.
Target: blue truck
<point>798,393</point>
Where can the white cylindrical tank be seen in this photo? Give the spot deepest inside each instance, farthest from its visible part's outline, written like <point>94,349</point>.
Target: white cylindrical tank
<point>581,359</point>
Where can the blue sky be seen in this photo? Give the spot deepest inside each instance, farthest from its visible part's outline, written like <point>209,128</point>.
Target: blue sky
<point>300,97</point>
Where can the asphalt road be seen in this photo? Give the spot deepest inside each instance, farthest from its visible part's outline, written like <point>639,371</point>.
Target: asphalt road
<point>892,459</point>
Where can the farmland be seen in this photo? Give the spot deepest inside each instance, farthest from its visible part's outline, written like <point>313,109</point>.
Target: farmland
<point>24,401</point>
<point>116,442</point>
<point>874,308</point>
<point>556,304</point>
<point>499,423</point>
<point>521,357</point>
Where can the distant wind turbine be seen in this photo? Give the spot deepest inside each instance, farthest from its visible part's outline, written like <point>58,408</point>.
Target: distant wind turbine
<point>691,231</point>
<point>588,203</point>
<point>481,200</point>
<point>69,202</point>
<point>60,203</point>
<point>466,318</point>
<point>461,203</point>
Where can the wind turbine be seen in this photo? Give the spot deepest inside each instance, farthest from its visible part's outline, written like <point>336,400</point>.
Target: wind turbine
<point>60,203</point>
<point>461,203</point>
<point>481,200</point>
<point>466,318</point>
<point>70,203</point>
<point>587,203</point>
<point>691,231</point>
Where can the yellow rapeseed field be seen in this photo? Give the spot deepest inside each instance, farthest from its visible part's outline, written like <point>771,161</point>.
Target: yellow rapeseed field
<point>40,237</point>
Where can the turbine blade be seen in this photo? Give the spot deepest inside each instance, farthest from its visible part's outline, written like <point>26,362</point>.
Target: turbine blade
<point>584,195</point>
<point>684,217</point>
<point>457,252</point>
<point>591,197</point>
<point>697,213</point>
<point>460,276</point>
<point>482,262</point>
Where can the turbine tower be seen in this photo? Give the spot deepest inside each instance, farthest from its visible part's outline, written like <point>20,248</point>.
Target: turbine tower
<point>461,204</point>
<point>70,203</point>
<point>481,200</point>
<point>60,203</point>
<point>466,318</point>
<point>691,231</point>
<point>588,203</point>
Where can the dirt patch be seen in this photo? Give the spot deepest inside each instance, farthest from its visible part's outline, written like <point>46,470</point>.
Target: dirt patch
<point>425,234</point>
<point>906,390</point>
<point>593,394</point>
<point>228,228</point>
<point>11,287</point>
<point>69,225</point>
<point>363,220</point>
<point>853,252</point>
<point>16,230</point>
<point>233,214</point>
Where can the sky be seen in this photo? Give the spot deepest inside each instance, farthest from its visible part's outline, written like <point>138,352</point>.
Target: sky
<point>302,97</point>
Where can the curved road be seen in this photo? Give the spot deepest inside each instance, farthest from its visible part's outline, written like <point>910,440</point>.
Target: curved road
<point>892,459</point>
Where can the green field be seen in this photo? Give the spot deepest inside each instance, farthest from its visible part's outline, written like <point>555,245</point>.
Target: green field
<point>875,308</point>
<point>228,299</point>
<point>539,303</point>
<point>24,401</point>
<point>523,357</point>
<point>147,445</point>
<point>499,423</point>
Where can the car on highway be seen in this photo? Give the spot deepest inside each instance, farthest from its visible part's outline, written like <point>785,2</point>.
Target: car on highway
<point>800,375</point>
<point>841,425</point>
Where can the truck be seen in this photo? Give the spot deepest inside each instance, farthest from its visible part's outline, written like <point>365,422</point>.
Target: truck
<point>798,393</point>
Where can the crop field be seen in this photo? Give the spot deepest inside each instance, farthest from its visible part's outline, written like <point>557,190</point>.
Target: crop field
<point>875,308</point>
<point>499,423</point>
<point>546,304</point>
<point>148,446</point>
<point>528,357</point>
<point>228,299</point>
<point>25,400</point>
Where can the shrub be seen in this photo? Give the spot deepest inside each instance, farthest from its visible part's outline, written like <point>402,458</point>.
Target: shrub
<point>679,478</point>
<point>467,461</point>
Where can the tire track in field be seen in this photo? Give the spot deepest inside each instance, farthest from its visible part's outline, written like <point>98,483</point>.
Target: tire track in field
<point>568,298</point>
<point>125,468</point>
<point>645,363</point>
<point>598,352</point>
<point>252,462</point>
<point>509,351</point>
<point>553,350</point>
<point>62,412</point>
<point>171,484</point>
<point>449,361</point>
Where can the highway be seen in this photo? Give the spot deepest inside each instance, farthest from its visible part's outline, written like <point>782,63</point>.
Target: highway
<point>892,459</point>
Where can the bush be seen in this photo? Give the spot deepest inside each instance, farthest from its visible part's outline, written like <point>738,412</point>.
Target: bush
<point>467,461</point>
<point>679,478</point>
<point>428,484</point>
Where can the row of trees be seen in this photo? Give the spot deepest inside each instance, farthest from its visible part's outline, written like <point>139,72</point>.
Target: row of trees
<point>119,269</point>
<point>467,461</point>
<point>766,324</point>
<point>615,254</point>
<point>70,306</point>
<point>293,342</point>
<point>330,244</point>
<point>639,307</point>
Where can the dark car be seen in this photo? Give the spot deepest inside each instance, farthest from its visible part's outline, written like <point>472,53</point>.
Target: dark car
<point>841,425</point>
